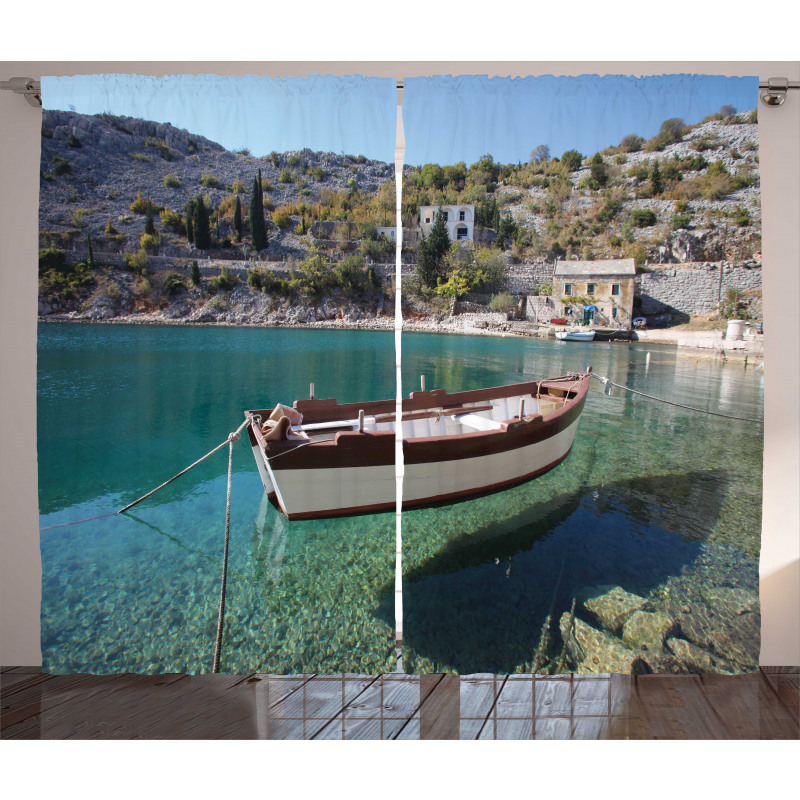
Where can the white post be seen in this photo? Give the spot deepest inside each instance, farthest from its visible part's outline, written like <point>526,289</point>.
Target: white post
<point>521,407</point>
<point>422,382</point>
<point>361,420</point>
<point>311,391</point>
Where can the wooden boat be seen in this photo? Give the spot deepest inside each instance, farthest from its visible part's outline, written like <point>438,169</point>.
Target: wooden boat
<point>575,336</point>
<point>339,459</point>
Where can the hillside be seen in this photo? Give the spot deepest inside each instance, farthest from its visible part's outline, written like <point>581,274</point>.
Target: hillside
<point>131,188</point>
<point>93,168</point>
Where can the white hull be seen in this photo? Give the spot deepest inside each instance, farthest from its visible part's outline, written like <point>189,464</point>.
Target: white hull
<point>575,336</point>
<point>304,493</point>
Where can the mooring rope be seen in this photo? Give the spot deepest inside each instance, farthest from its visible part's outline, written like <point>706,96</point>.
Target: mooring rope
<point>210,453</point>
<point>609,382</point>
<point>233,437</point>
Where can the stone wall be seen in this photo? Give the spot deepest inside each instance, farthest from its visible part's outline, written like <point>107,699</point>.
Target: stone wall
<point>693,288</point>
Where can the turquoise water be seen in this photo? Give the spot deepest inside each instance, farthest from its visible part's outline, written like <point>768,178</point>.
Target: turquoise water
<point>121,409</point>
<point>662,502</point>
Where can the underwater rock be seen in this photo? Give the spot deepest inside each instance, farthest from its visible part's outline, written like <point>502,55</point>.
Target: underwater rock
<point>595,651</point>
<point>697,659</point>
<point>728,601</point>
<point>612,608</point>
<point>646,630</point>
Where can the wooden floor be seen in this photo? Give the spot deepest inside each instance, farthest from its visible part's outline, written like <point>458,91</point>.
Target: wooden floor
<point>763,705</point>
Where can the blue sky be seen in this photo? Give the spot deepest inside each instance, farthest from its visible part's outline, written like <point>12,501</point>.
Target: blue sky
<point>351,114</point>
<point>446,119</point>
<point>449,119</point>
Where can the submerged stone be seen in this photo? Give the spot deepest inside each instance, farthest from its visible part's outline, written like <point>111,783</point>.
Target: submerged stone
<point>729,601</point>
<point>646,630</point>
<point>595,651</point>
<point>697,659</point>
<point>612,608</point>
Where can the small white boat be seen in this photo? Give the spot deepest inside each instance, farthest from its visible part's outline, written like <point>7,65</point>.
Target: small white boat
<point>325,459</point>
<point>575,336</point>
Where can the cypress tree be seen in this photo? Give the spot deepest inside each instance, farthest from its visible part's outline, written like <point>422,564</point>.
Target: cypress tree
<point>258,228</point>
<point>425,265</point>
<point>189,209</point>
<point>149,225</point>
<point>202,237</point>
<point>91,253</point>
<point>194,274</point>
<point>656,181</point>
<point>237,219</point>
<point>439,240</point>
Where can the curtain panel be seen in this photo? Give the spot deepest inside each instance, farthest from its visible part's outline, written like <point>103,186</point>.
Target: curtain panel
<point>588,209</point>
<point>223,211</point>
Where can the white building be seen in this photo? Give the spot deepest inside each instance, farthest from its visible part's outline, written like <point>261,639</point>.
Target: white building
<point>460,220</point>
<point>390,232</point>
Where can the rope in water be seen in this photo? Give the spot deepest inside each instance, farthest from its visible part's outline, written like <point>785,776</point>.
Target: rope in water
<point>210,453</point>
<point>224,582</point>
<point>609,382</point>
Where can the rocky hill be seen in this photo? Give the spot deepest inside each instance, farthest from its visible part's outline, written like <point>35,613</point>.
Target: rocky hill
<point>93,168</point>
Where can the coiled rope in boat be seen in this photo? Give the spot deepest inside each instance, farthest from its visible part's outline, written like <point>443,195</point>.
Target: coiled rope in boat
<point>608,382</point>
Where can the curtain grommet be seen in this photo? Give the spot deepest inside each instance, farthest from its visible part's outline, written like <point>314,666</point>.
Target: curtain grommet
<point>775,93</point>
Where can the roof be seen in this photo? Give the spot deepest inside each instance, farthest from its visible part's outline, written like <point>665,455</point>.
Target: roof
<point>611,266</point>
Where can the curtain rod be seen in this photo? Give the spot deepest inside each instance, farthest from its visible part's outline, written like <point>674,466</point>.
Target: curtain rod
<point>774,93</point>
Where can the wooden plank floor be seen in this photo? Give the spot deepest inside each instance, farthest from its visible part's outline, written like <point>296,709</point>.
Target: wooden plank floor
<point>763,705</point>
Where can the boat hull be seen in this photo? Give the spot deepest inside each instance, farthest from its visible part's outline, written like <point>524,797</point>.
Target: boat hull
<point>575,336</point>
<point>354,473</point>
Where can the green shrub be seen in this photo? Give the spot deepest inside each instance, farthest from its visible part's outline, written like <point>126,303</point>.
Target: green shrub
<point>140,205</point>
<point>264,280</point>
<point>281,217</point>
<point>109,227</point>
<point>285,176</point>
<point>136,262</point>
<point>631,143</point>
<point>174,283</point>
<point>52,258</point>
<point>680,221</point>
<point>150,241</point>
<point>643,217</point>
<point>742,217</point>
<point>61,166</point>
<point>502,302</point>
<point>173,221</point>
<point>681,206</point>
<point>225,281</point>
<point>73,141</point>
<point>293,160</point>
<point>140,157</point>
<point>237,187</point>
<point>211,181</point>
<point>172,181</point>
<point>616,241</point>
<point>160,146</point>
<point>571,160</point>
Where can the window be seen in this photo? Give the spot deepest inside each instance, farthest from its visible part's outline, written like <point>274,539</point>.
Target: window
<point>462,215</point>
<point>567,288</point>
<point>614,312</point>
<point>462,232</point>
<point>590,287</point>
<point>615,287</point>
<point>427,220</point>
<point>444,214</point>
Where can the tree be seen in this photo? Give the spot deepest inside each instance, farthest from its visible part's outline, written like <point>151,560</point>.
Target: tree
<point>149,225</point>
<point>426,265</point>
<point>90,260</point>
<point>258,227</point>
<point>237,219</point>
<point>194,274</point>
<point>656,181</point>
<point>540,154</point>
<point>439,239</point>
<point>727,111</point>
<point>571,160</point>
<point>631,143</point>
<point>202,236</point>
<point>189,209</point>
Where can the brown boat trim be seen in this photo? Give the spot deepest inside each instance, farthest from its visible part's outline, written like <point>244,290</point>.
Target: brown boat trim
<point>328,410</point>
<point>427,502</point>
<point>376,448</point>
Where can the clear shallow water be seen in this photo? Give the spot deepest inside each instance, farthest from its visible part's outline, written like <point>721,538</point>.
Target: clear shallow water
<point>662,502</point>
<point>122,408</point>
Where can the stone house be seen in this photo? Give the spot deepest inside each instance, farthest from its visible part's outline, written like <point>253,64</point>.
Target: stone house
<point>460,221</point>
<point>580,287</point>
